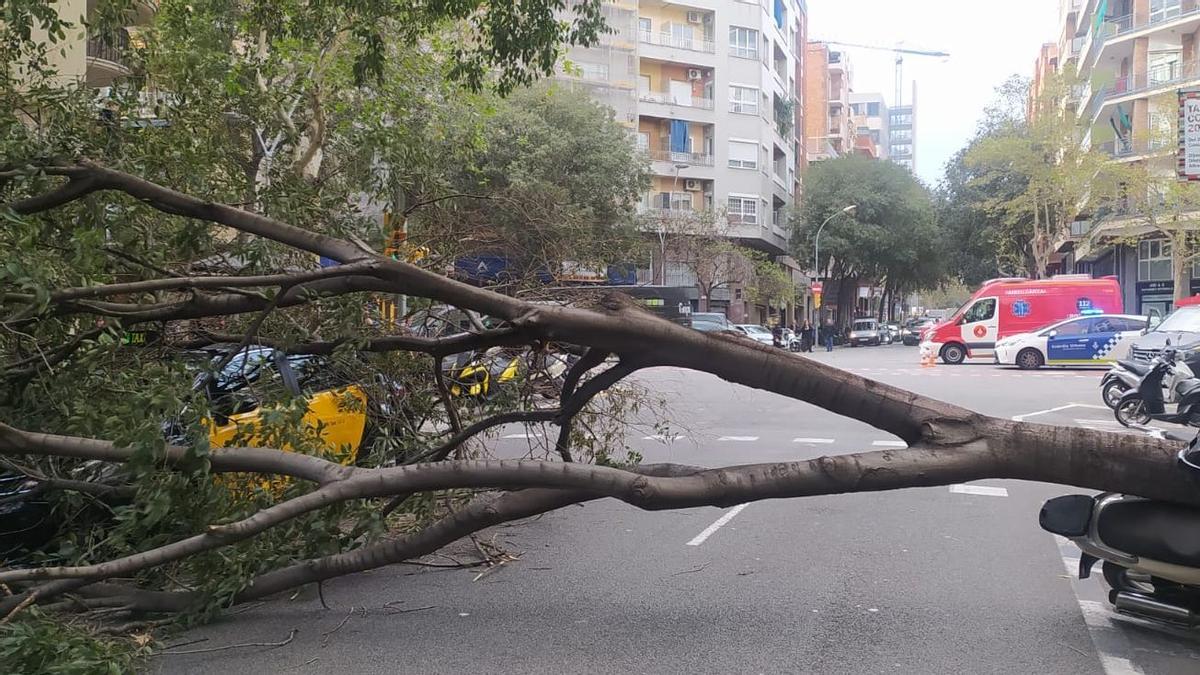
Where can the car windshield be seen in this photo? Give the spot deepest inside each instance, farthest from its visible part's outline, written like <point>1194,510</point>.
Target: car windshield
<point>1182,320</point>
<point>755,329</point>
<point>864,325</point>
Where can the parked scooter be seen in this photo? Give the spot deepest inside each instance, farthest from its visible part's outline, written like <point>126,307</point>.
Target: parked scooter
<point>1150,550</point>
<point>1122,377</point>
<point>1146,402</point>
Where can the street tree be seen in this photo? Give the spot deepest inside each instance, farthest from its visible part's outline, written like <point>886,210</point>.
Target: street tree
<point>133,222</point>
<point>891,240</point>
<point>1026,173</point>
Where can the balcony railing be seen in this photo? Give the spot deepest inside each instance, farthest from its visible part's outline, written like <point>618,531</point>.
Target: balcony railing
<point>111,47</point>
<point>1126,24</point>
<point>1160,77</point>
<point>668,98</point>
<point>678,41</point>
<point>1141,146</point>
<point>692,158</point>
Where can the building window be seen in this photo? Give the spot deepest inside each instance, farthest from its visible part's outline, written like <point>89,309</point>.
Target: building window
<point>743,42</point>
<point>901,135</point>
<point>873,109</point>
<point>1161,10</point>
<point>743,100</point>
<point>644,27</point>
<point>743,210</point>
<point>592,71</point>
<point>1154,260</point>
<point>743,155</point>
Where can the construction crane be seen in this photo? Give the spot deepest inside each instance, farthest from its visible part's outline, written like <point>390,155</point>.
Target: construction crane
<point>899,52</point>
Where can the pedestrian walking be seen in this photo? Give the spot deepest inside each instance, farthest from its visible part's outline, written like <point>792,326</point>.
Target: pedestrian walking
<point>807,336</point>
<point>828,337</point>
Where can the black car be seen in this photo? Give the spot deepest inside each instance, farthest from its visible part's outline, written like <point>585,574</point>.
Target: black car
<point>911,335</point>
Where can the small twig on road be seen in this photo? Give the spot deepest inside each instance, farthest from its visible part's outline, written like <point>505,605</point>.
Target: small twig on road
<point>184,644</point>
<point>321,595</point>
<point>489,570</point>
<point>291,636</point>
<point>1074,649</point>
<point>325,636</point>
<point>691,571</point>
<point>391,608</point>
<point>448,566</point>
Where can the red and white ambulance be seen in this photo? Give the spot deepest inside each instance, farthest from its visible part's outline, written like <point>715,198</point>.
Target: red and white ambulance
<point>1003,307</point>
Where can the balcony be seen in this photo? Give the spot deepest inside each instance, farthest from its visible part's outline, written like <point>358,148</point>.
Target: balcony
<point>1114,31</point>
<point>667,98</point>
<point>705,45</point>
<point>106,58</point>
<point>1135,148</point>
<point>689,158</point>
<point>1157,80</point>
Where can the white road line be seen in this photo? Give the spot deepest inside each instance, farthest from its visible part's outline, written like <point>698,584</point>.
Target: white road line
<point>739,439</point>
<point>983,490</point>
<point>1106,635</point>
<point>1021,418</point>
<point>889,444</point>
<point>718,524</point>
<point>533,435</point>
<point>812,440</point>
<point>662,437</point>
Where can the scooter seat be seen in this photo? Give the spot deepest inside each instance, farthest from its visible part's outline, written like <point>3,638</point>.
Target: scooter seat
<point>1134,367</point>
<point>1156,530</point>
<point>1187,387</point>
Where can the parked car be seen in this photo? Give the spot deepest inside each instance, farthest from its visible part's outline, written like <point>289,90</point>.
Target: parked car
<point>865,332</point>
<point>911,336</point>
<point>1180,327</point>
<point>1092,340</point>
<point>706,322</point>
<point>755,332</point>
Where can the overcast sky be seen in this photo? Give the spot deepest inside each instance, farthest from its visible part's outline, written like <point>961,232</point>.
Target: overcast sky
<point>987,42</point>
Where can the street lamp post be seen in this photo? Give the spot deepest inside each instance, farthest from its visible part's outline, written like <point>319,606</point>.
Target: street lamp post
<point>849,210</point>
<point>662,235</point>
<point>817,240</point>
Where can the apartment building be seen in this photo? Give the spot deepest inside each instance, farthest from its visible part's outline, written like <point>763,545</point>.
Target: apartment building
<point>869,113</point>
<point>93,59</point>
<point>1045,65</point>
<point>902,133</point>
<point>828,127</point>
<point>1132,56</point>
<point>710,91</point>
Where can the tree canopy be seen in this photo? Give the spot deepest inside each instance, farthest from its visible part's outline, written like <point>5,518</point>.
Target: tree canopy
<point>892,238</point>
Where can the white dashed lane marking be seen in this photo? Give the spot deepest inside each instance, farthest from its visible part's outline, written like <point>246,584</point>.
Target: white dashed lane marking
<point>663,438</point>
<point>889,444</point>
<point>720,522</point>
<point>739,439</point>
<point>813,441</point>
<point>526,436</point>
<point>982,490</point>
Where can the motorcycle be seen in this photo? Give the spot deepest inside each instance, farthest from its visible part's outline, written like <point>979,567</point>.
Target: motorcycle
<point>1146,402</point>
<point>1122,377</point>
<point>1150,551</point>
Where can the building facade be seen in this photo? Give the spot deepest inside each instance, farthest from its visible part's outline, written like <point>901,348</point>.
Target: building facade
<point>709,90</point>
<point>902,133</point>
<point>871,119</point>
<point>1131,57</point>
<point>828,130</point>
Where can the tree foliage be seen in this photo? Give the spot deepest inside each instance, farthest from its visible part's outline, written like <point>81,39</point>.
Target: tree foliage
<point>892,238</point>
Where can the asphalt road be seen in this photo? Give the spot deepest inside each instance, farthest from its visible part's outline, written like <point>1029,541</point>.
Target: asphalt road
<point>934,580</point>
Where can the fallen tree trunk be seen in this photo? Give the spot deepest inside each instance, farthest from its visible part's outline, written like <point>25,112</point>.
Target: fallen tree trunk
<point>946,443</point>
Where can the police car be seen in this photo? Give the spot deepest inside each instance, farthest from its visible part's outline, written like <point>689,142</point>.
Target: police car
<point>1092,339</point>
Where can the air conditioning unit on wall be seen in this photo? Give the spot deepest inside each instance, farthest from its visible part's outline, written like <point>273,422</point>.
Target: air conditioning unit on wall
<point>692,185</point>
<point>695,74</point>
<point>695,17</point>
